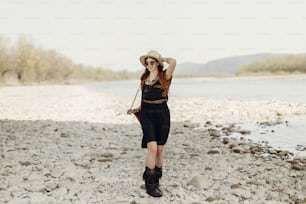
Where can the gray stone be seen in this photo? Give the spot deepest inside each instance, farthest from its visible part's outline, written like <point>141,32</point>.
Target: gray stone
<point>201,182</point>
<point>232,145</point>
<point>297,167</point>
<point>214,133</point>
<point>25,163</point>
<point>237,150</point>
<point>51,185</point>
<point>35,186</point>
<point>244,132</point>
<point>225,140</point>
<point>56,172</point>
<point>211,199</point>
<point>235,186</point>
<point>213,151</point>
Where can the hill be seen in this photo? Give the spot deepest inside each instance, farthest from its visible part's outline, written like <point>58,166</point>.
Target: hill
<point>223,66</point>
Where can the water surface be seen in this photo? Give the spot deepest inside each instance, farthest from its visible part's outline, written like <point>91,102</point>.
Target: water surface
<point>283,136</point>
<point>230,88</point>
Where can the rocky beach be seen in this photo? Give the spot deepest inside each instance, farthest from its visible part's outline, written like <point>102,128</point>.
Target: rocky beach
<point>67,144</point>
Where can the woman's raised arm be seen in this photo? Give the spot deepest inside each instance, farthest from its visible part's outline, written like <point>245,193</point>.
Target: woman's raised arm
<point>171,67</point>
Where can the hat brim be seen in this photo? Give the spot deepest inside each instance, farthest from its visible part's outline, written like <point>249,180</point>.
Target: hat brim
<point>143,58</point>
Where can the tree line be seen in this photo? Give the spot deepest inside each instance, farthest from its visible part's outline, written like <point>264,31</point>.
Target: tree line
<point>28,63</point>
<point>291,64</point>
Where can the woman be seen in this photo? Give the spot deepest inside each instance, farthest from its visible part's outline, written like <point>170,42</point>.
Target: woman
<point>154,115</point>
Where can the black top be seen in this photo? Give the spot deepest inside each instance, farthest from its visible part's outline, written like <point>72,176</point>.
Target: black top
<point>151,92</point>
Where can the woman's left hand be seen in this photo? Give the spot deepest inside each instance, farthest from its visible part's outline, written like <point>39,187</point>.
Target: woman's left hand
<point>169,60</point>
<point>165,60</point>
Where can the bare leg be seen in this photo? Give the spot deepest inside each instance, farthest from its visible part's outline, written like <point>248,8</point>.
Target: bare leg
<point>159,156</point>
<point>151,155</point>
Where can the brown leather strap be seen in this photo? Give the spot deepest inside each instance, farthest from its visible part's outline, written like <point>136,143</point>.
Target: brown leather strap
<point>160,101</point>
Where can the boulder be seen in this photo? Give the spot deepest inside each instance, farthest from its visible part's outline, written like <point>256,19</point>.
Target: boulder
<point>201,182</point>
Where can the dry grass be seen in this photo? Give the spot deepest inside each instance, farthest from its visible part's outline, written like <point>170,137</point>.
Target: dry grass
<point>293,64</point>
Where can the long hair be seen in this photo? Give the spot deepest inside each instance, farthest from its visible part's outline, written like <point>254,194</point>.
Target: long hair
<point>164,83</point>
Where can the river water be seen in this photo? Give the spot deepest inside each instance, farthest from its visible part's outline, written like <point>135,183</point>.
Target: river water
<point>231,88</point>
<point>289,136</point>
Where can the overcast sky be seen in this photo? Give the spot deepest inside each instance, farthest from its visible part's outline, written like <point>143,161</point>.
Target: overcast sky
<point>113,34</point>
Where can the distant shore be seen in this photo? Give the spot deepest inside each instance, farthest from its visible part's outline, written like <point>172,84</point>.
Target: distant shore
<point>14,82</point>
<point>247,76</point>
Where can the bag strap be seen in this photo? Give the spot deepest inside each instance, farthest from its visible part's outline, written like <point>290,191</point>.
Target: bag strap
<point>135,97</point>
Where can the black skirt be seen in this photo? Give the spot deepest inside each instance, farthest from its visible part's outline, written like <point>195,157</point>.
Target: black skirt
<point>155,123</point>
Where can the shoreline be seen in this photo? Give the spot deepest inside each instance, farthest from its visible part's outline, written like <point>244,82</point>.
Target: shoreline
<point>76,103</point>
<point>56,161</point>
<point>70,144</point>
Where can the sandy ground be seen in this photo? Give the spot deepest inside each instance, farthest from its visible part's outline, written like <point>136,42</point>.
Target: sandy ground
<point>65,144</point>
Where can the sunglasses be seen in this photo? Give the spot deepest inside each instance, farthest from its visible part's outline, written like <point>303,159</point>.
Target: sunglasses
<point>150,62</point>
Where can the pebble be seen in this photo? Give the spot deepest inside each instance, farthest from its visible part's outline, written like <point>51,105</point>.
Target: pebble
<point>210,199</point>
<point>297,167</point>
<point>213,152</point>
<point>214,133</point>
<point>235,186</point>
<point>225,140</point>
<point>237,150</point>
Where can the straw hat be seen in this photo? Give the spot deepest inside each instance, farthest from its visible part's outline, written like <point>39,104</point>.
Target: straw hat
<point>153,54</point>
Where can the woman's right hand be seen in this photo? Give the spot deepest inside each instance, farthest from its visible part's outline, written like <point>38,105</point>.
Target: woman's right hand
<point>132,111</point>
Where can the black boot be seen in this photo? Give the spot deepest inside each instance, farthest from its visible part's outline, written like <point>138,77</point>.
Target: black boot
<point>151,179</point>
<point>159,173</point>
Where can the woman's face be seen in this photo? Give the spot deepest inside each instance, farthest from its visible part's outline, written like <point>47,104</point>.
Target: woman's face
<point>151,64</point>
